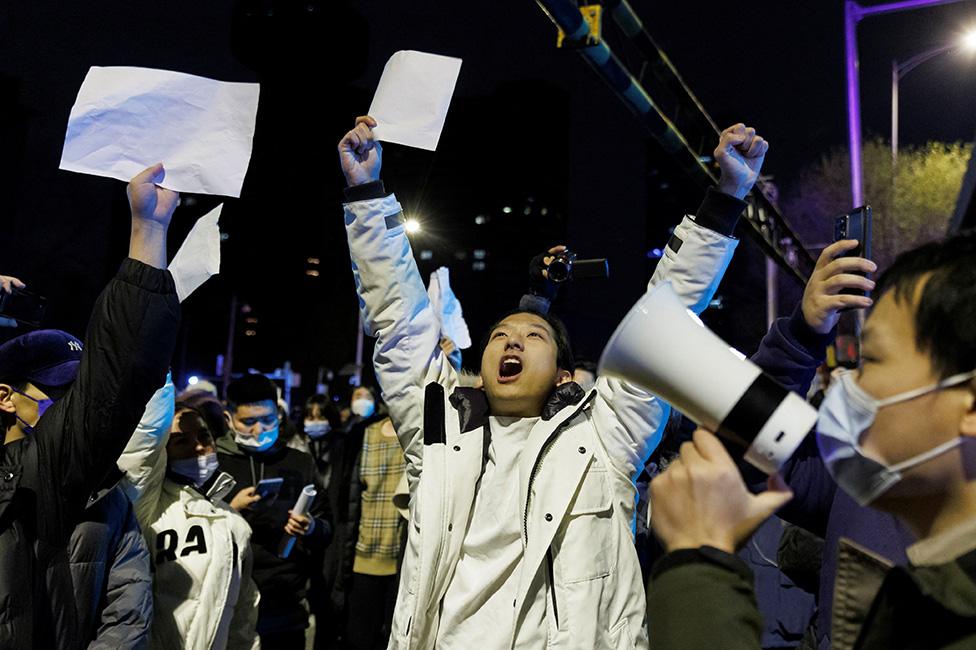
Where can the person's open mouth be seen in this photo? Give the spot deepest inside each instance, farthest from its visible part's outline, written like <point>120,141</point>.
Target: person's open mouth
<point>510,369</point>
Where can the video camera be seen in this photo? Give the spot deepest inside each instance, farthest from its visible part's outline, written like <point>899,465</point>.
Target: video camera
<point>565,266</point>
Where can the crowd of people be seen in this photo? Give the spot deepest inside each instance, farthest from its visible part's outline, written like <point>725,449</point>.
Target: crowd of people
<point>507,508</point>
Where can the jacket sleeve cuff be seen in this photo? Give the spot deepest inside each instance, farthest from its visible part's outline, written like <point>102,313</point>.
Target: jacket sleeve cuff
<point>804,337</point>
<point>364,192</point>
<point>146,277</point>
<point>321,533</point>
<point>719,212</point>
<point>701,555</point>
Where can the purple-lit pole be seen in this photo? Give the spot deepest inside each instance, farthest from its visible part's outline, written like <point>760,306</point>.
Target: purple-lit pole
<point>853,13</point>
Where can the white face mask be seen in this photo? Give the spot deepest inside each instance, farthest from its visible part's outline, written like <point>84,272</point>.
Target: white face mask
<point>317,428</point>
<point>197,470</point>
<point>363,407</point>
<point>847,412</point>
<point>260,442</point>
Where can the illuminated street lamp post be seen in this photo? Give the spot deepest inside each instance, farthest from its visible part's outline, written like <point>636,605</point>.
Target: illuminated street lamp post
<point>899,70</point>
<point>853,13</point>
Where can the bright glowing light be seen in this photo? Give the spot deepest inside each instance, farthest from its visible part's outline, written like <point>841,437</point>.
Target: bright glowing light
<point>193,380</point>
<point>969,40</point>
<point>507,209</point>
<point>412,226</point>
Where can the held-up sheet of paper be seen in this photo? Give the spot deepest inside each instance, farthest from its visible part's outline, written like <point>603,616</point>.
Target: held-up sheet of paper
<point>199,256</point>
<point>126,119</point>
<point>412,98</point>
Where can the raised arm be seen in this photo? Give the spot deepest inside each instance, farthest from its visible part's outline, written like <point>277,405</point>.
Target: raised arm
<point>144,458</point>
<point>791,352</point>
<point>392,295</point>
<point>694,262</point>
<point>128,348</point>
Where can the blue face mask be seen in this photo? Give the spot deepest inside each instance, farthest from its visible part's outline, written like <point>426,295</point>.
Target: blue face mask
<point>197,470</point>
<point>42,406</point>
<point>261,442</point>
<point>317,428</point>
<point>846,412</point>
<point>363,407</point>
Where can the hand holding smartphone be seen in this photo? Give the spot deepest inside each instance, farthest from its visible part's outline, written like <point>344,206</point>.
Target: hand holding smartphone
<point>855,225</point>
<point>268,490</point>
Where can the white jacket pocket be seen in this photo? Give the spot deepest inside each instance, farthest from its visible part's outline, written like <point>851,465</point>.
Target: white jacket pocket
<point>583,546</point>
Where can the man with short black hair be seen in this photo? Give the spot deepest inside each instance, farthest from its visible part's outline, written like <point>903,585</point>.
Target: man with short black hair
<point>67,413</point>
<point>252,452</point>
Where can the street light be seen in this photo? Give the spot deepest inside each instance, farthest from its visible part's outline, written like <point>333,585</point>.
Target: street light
<point>969,41</point>
<point>853,14</point>
<point>899,70</point>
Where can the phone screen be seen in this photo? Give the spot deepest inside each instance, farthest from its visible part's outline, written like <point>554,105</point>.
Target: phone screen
<point>268,488</point>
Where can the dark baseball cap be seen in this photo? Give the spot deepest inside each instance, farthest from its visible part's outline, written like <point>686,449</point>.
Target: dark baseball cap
<point>46,358</point>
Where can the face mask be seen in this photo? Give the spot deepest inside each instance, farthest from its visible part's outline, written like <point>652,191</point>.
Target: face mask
<point>42,406</point>
<point>196,470</point>
<point>317,428</point>
<point>363,407</point>
<point>261,442</point>
<point>847,412</point>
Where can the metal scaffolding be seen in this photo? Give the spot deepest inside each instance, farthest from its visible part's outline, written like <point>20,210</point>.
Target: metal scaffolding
<point>677,120</point>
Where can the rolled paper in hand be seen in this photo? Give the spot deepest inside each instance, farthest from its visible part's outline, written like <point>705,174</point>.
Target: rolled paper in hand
<point>302,506</point>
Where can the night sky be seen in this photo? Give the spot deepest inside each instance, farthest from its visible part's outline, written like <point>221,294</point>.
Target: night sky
<point>531,127</point>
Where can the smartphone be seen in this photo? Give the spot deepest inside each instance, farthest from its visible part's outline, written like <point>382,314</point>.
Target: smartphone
<point>268,489</point>
<point>23,306</point>
<point>855,225</point>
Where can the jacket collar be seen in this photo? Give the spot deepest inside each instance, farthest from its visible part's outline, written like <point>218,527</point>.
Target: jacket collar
<point>944,547</point>
<point>227,445</point>
<point>473,410</point>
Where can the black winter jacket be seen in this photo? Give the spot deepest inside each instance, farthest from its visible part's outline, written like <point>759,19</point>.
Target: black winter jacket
<point>47,478</point>
<point>281,582</point>
<point>111,572</point>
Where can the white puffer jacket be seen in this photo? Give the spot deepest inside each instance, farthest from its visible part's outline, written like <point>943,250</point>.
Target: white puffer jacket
<point>201,552</point>
<point>577,470</point>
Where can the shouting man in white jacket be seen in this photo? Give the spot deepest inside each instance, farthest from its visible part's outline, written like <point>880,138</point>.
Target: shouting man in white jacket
<point>521,493</point>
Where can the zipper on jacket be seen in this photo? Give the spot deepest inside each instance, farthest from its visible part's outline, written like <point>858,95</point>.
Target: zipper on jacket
<point>552,587</point>
<point>429,588</point>
<point>542,457</point>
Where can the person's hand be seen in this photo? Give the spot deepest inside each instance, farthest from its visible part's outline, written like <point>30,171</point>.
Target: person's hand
<point>739,154</point>
<point>245,499</point>
<point>360,155</point>
<point>447,345</point>
<point>539,283</point>
<point>150,203</point>
<point>701,499</point>
<point>822,297</point>
<point>298,525</point>
<point>8,283</point>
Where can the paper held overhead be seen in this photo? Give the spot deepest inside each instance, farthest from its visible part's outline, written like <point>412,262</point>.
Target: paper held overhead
<point>448,309</point>
<point>126,119</point>
<point>412,98</point>
<point>199,256</point>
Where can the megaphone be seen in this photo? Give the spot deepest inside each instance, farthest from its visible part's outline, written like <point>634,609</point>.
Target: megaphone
<point>665,348</point>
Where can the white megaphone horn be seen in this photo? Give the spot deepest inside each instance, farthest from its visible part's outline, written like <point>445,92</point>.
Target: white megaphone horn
<point>663,347</point>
